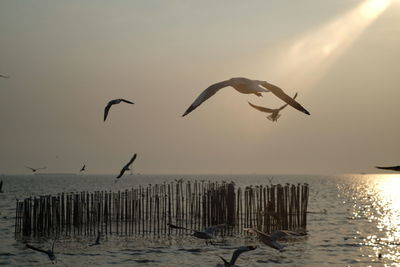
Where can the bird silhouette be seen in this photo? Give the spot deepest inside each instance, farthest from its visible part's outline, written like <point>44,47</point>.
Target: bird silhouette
<point>271,240</point>
<point>126,167</point>
<point>49,253</point>
<point>83,168</point>
<point>207,234</point>
<point>114,102</point>
<point>35,169</point>
<point>390,168</point>
<point>245,86</point>
<point>236,255</point>
<point>275,112</point>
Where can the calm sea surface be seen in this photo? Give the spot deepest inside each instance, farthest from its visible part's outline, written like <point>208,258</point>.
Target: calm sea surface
<point>361,222</point>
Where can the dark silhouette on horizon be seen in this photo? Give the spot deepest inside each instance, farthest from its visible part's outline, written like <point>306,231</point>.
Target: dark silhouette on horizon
<point>245,86</point>
<point>114,102</point>
<point>126,167</point>
<point>236,255</point>
<point>35,169</point>
<point>390,168</point>
<point>1,186</point>
<point>275,112</point>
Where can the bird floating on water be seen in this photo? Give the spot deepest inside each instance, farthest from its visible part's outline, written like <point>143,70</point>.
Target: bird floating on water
<point>245,86</point>
<point>275,112</point>
<point>114,102</point>
<point>126,167</point>
<point>390,168</point>
<point>83,168</point>
<point>236,254</point>
<point>271,240</point>
<point>35,169</point>
<point>49,253</point>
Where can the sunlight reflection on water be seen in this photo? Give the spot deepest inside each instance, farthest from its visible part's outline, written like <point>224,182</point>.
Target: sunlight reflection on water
<point>376,201</point>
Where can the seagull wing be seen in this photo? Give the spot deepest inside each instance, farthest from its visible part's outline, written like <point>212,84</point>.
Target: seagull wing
<point>279,234</point>
<point>126,167</point>
<point>212,229</point>
<point>206,94</point>
<point>392,168</point>
<point>107,109</point>
<point>239,251</point>
<point>268,110</point>
<point>37,249</point>
<point>284,106</point>
<point>32,169</point>
<point>42,168</point>
<point>255,231</point>
<point>4,76</point>
<point>177,227</point>
<point>282,95</point>
<point>126,101</point>
<point>226,263</point>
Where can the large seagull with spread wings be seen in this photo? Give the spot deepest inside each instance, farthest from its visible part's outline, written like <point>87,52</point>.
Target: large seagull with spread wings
<point>245,86</point>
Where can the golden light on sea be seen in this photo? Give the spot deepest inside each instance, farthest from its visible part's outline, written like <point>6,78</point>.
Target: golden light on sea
<point>386,203</point>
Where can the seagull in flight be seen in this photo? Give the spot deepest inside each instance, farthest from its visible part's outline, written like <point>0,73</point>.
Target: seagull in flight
<point>245,86</point>
<point>50,253</point>
<point>206,234</point>
<point>83,168</point>
<point>236,255</point>
<point>126,167</point>
<point>114,102</point>
<point>275,112</point>
<point>35,169</point>
<point>391,168</point>
<point>271,240</point>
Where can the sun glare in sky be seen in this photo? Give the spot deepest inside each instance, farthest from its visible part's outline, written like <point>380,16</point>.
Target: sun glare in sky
<point>310,56</point>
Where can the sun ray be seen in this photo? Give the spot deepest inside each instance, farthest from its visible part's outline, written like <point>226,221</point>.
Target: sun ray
<point>309,57</point>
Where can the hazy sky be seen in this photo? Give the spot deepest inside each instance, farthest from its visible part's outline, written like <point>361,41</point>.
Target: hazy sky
<point>67,59</point>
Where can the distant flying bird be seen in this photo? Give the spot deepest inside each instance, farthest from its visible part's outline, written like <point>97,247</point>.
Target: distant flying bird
<point>49,253</point>
<point>4,76</point>
<point>245,86</point>
<point>271,240</point>
<point>275,112</point>
<point>126,167</point>
<point>114,102</point>
<point>83,168</point>
<point>391,168</point>
<point>236,255</point>
<point>35,169</point>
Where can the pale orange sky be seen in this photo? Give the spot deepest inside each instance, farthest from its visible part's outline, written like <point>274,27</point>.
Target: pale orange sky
<point>67,59</point>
